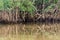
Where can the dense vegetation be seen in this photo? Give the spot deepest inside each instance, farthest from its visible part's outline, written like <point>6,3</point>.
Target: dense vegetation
<point>27,9</point>
<point>27,5</point>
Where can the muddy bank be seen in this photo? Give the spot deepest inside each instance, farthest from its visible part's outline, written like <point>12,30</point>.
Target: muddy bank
<point>6,17</point>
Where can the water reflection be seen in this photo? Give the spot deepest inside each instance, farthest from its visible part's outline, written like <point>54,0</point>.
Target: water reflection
<point>30,31</point>
<point>29,28</point>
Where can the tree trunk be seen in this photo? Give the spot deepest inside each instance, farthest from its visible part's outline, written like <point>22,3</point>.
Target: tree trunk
<point>16,15</point>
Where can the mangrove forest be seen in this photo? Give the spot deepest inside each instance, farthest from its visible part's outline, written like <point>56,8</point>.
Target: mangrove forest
<point>19,11</point>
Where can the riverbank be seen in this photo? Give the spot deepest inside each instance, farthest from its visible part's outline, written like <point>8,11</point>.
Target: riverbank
<point>6,17</point>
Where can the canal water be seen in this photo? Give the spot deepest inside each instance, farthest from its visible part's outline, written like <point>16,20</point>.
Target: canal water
<point>31,31</point>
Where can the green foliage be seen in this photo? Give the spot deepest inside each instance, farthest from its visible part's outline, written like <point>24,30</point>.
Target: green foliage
<point>38,2</point>
<point>1,5</point>
<point>55,1</point>
<point>50,8</point>
<point>8,4</point>
<point>48,4</point>
<point>27,5</point>
<point>24,5</point>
